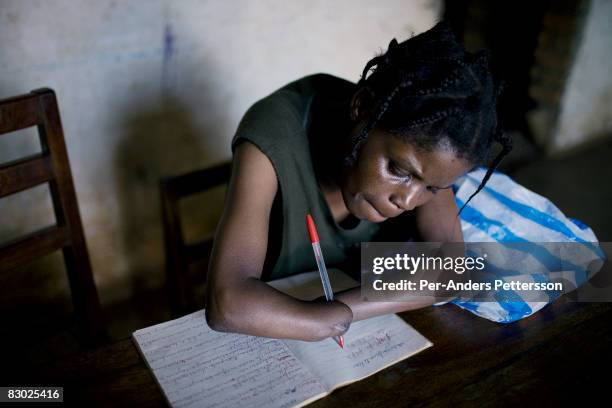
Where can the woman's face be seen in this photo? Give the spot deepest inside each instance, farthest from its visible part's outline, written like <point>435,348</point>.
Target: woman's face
<point>392,176</point>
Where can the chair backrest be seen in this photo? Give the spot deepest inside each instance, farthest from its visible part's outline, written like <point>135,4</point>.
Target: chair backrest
<point>179,254</point>
<point>39,108</point>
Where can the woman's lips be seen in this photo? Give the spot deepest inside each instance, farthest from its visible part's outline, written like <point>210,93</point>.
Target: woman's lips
<point>377,214</point>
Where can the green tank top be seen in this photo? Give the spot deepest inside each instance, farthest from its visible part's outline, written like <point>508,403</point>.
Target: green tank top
<point>279,125</point>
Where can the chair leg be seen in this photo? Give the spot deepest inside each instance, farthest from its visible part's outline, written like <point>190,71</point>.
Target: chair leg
<point>88,311</point>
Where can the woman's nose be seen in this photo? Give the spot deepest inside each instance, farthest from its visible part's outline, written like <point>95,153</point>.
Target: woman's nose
<point>406,196</point>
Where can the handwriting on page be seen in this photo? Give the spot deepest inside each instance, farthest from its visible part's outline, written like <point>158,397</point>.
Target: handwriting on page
<point>197,366</point>
<point>371,345</point>
<point>368,350</point>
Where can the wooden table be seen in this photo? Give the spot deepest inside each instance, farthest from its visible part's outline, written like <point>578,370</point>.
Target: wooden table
<point>558,355</point>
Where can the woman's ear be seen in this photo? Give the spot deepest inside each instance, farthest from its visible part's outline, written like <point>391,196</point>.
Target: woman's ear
<point>361,104</point>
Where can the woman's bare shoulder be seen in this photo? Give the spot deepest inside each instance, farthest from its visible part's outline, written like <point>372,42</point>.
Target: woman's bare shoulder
<point>241,236</point>
<point>254,184</point>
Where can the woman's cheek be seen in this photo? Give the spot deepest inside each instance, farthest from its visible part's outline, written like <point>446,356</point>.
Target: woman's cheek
<point>375,179</point>
<point>425,198</point>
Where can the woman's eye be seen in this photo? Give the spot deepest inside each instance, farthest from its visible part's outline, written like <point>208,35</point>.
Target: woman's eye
<point>394,169</point>
<point>434,190</point>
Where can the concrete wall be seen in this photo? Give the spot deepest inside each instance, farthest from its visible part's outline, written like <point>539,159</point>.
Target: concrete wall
<point>586,105</point>
<point>154,88</point>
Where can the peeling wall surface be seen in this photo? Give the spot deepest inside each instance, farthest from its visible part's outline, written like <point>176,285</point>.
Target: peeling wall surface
<point>154,88</point>
<point>586,106</point>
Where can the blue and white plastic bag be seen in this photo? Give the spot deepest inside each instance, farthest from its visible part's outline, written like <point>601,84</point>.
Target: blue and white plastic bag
<point>506,212</point>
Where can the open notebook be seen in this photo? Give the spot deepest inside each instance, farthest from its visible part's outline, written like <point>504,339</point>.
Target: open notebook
<point>198,367</point>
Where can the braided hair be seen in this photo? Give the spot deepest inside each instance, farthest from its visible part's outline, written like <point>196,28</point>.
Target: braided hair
<point>431,91</point>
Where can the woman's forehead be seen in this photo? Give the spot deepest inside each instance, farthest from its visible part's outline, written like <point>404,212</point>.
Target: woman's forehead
<point>437,166</point>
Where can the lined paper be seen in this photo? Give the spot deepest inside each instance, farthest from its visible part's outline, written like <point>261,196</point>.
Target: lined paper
<point>370,346</point>
<point>198,367</point>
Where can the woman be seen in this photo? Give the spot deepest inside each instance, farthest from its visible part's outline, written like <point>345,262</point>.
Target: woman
<point>372,161</point>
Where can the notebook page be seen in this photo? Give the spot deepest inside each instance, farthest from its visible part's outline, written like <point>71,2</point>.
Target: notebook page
<point>196,366</point>
<point>308,286</point>
<point>370,346</point>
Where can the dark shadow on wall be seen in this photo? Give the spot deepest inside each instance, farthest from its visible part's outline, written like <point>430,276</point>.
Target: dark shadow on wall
<point>157,142</point>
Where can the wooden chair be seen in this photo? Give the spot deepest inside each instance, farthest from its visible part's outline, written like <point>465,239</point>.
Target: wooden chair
<point>179,254</point>
<point>39,108</point>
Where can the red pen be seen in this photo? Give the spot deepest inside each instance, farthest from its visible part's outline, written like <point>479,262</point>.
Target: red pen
<point>314,239</point>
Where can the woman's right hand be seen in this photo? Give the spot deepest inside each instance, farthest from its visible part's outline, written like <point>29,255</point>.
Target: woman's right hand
<point>336,319</point>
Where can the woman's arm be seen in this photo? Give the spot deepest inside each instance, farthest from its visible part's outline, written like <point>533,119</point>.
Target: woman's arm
<point>237,300</point>
<point>437,221</point>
